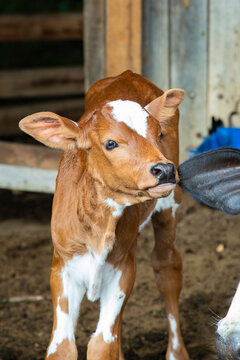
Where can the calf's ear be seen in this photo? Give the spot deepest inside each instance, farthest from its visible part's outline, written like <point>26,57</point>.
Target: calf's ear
<point>54,131</point>
<point>165,106</point>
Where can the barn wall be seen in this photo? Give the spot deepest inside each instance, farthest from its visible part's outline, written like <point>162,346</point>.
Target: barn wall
<point>194,45</point>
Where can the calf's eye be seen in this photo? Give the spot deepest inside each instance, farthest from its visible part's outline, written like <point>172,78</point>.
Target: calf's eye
<point>110,145</point>
<point>161,136</point>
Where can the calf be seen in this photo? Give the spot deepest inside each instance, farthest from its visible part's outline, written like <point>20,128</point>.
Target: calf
<point>228,331</point>
<point>117,171</point>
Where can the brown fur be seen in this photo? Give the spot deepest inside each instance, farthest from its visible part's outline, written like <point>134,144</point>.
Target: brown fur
<point>88,175</point>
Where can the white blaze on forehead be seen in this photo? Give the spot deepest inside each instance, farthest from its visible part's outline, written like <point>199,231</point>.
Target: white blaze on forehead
<point>130,113</point>
<point>231,322</point>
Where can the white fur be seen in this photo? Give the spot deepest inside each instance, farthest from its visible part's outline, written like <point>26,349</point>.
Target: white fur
<point>166,203</point>
<point>118,208</point>
<point>173,327</point>
<point>172,357</point>
<point>89,272</point>
<point>231,322</point>
<point>145,222</point>
<point>86,271</point>
<point>95,276</point>
<point>73,292</point>
<point>64,329</point>
<point>162,204</point>
<point>132,114</point>
<point>111,300</point>
<point>74,122</point>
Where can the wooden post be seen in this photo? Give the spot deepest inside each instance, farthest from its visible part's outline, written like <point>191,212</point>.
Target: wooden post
<point>112,38</point>
<point>94,41</point>
<point>188,62</point>
<point>156,45</point>
<point>123,36</point>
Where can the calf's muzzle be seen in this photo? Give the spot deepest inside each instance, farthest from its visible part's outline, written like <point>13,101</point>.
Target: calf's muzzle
<point>164,172</point>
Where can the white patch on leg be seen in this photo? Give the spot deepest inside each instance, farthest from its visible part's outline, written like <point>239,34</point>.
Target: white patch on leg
<point>173,327</point>
<point>66,322</point>
<point>172,357</point>
<point>231,322</point>
<point>64,329</point>
<point>130,113</point>
<point>111,301</point>
<point>166,203</point>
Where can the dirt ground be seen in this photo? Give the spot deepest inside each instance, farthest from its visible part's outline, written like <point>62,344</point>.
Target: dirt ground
<point>210,279</point>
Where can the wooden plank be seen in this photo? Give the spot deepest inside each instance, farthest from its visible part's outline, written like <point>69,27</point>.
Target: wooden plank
<point>94,41</point>
<point>10,116</point>
<point>41,82</point>
<point>155,47</point>
<point>123,36</point>
<point>41,27</point>
<point>27,179</point>
<point>224,58</point>
<point>188,26</point>
<point>33,156</point>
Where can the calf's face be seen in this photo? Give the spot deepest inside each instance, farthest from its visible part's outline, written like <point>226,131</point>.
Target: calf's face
<point>122,141</point>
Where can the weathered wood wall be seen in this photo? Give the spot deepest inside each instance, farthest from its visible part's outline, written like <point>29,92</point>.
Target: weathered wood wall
<point>112,38</point>
<point>26,167</point>
<point>224,57</point>
<point>194,45</point>
<point>41,27</point>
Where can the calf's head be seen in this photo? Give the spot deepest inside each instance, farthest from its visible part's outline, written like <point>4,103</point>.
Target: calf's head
<point>124,143</point>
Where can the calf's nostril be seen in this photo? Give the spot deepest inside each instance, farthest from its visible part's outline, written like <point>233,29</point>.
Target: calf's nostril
<point>156,171</point>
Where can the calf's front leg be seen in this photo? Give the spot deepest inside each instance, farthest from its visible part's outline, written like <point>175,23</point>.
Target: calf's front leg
<point>167,266</point>
<point>105,343</point>
<point>66,298</point>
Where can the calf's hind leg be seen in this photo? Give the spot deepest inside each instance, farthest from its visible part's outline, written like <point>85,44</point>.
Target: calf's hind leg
<point>167,266</point>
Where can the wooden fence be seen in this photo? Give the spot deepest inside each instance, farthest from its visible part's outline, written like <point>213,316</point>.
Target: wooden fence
<point>28,167</point>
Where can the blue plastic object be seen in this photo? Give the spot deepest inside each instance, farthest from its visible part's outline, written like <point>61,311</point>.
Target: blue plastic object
<point>221,137</point>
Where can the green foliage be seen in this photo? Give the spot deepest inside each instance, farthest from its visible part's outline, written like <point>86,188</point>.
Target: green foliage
<point>39,6</point>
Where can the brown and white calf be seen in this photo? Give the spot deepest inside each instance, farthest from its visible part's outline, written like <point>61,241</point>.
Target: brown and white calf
<point>117,171</point>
